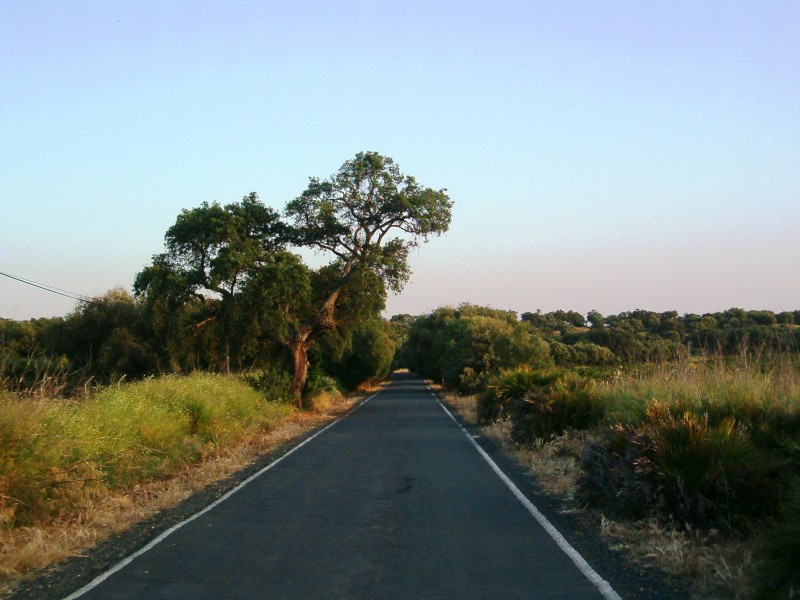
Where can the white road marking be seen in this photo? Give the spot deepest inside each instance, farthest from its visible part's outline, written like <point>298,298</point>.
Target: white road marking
<point>605,588</point>
<point>126,561</point>
<point>601,584</point>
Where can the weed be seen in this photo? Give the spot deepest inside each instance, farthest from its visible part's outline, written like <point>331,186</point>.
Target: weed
<point>680,469</point>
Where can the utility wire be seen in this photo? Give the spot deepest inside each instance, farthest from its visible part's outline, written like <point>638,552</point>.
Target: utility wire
<point>49,288</point>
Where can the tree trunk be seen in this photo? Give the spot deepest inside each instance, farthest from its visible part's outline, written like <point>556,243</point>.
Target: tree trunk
<point>326,318</point>
<point>299,350</point>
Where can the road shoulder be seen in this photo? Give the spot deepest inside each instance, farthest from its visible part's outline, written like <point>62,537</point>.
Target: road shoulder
<point>579,527</point>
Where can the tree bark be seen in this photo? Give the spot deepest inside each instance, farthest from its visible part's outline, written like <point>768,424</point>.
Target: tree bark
<point>299,349</point>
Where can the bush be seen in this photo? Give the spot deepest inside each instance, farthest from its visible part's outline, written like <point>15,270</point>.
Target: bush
<point>680,468</point>
<point>318,383</point>
<point>542,403</point>
<point>568,402</point>
<point>510,385</point>
<point>369,356</point>
<point>273,382</point>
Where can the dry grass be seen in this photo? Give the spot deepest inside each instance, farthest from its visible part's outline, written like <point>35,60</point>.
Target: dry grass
<point>465,406</point>
<point>98,515</point>
<point>555,463</point>
<point>716,567</point>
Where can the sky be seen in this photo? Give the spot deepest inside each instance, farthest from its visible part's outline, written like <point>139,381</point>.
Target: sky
<point>602,155</point>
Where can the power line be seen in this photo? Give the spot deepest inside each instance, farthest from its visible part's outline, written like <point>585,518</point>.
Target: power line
<point>48,288</point>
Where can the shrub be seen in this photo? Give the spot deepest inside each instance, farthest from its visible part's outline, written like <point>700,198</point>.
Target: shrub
<point>680,468</point>
<point>509,386</point>
<point>542,403</point>
<point>318,384</point>
<point>273,382</point>
<point>568,402</point>
<point>609,478</point>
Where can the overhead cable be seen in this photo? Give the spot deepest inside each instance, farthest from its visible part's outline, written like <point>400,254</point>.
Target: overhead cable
<point>48,288</point>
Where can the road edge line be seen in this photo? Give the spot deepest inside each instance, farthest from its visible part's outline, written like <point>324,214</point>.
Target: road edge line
<point>584,567</point>
<point>165,534</point>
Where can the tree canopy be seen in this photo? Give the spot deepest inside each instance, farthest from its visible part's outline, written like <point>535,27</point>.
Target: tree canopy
<point>234,264</point>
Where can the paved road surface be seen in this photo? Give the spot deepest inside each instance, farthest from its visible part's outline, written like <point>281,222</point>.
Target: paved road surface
<point>391,502</point>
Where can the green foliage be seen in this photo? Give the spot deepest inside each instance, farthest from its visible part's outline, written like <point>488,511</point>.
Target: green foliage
<point>273,382</point>
<point>54,453</point>
<point>102,339</point>
<point>351,213</point>
<point>318,383</point>
<point>556,321</point>
<point>212,254</point>
<point>227,273</point>
<point>681,468</point>
<point>369,356</point>
<point>464,347</point>
<point>581,353</point>
<point>541,403</point>
<point>700,443</point>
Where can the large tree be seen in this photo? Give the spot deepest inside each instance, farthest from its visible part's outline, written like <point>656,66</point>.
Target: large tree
<point>365,219</point>
<point>212,253</point>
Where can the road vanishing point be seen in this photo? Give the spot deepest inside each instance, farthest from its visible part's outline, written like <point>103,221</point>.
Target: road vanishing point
<point>395,500</point>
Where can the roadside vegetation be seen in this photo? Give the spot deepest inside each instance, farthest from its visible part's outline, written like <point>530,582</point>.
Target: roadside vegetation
<point>57,452</point>
<point>75,470</point>
<point>680,435</point>
<point>681,432</point>
<point>229,345</point>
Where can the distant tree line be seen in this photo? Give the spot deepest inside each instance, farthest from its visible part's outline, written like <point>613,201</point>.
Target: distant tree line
<point>119,335</point>
<point>464,347</point>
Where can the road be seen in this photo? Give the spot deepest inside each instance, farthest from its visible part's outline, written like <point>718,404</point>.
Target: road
<point>393,501</point>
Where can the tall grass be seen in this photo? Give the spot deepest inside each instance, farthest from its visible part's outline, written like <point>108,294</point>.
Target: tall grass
<point>704,443</point>
<point>53,453</point>
<point>752,394</point>
<point>702,448</point>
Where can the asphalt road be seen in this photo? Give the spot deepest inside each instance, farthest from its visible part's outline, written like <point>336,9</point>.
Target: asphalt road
<point>393,501</point>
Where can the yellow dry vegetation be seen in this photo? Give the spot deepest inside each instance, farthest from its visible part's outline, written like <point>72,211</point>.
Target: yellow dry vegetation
<point>96,512</point>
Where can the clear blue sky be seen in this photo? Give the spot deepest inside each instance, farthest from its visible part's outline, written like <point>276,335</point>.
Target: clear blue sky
<point>601,155</point>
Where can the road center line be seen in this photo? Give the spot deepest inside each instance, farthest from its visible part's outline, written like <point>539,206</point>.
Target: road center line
<point>605,588</point>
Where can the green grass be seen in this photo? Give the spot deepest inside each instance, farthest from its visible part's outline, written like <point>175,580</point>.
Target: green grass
<point>52,452</point>
<point>748,394</point>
